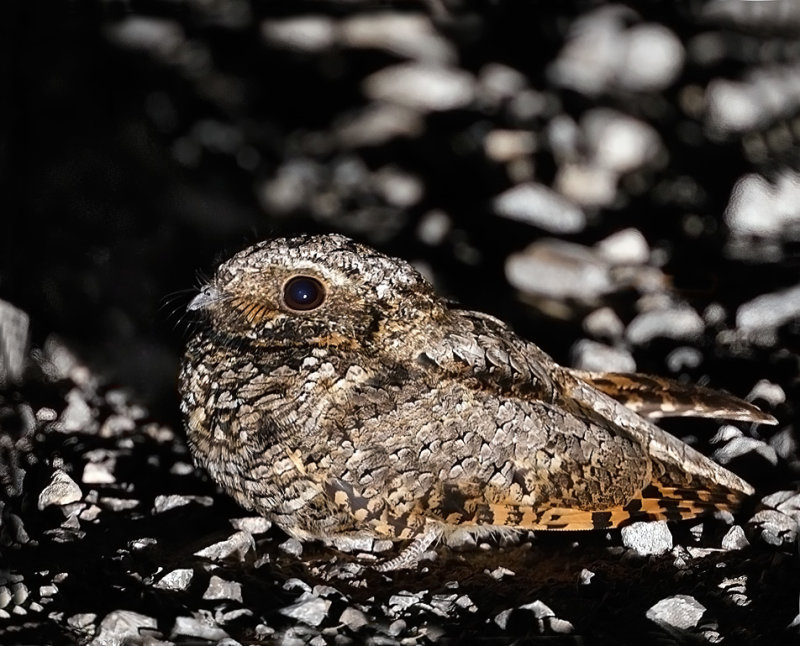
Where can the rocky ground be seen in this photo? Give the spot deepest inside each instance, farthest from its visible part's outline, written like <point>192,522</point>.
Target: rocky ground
<point>619,181</point>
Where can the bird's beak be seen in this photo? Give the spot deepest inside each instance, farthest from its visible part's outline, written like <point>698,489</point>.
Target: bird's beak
<point>207,296</point>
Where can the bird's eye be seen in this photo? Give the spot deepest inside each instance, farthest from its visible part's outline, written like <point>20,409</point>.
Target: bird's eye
<point>303,293</point>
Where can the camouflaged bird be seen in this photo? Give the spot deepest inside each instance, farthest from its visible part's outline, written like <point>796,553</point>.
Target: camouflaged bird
<point>332,391</point>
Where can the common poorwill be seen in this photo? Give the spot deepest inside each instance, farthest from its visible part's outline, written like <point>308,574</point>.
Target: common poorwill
<point>332,391</point>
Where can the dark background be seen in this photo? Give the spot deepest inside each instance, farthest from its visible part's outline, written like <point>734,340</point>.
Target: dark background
<point>141,143</point>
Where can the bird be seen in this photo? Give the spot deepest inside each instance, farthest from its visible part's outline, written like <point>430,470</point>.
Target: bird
<point>330,389</point>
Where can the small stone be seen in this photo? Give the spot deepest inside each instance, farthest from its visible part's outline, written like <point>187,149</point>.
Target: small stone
<point>311,611</point>
<point>82,621</point>
<point>679,322</point>
<point>201,626</point>
<point>177,580</point>
<point>252,524</point>
<point>353,619</point>
<point>396,627</point>
<point>62,490</point>
<point>78,415</point>
<point>559,270</point>
<point>647,538</point>
<point>292,547</point>
<point>14,324</point>
<point>98,473</point>
<point>769,311</point>
<point>165,503</point>
<point>304,33</point>
<point>684,358</point>
<point>407,35</point>
<point>593,356</point>
<point>238,544</point>
<point>771,393</point>
<point>604,323</point>
<point>500,572</point>
<point>681,611</point>
<point>119,626</point>
<point>421,86</point>
<point>541,207</point>
<point>585,577</point>
<point>735,539</point>
<point>118,504</point>
<point>740,446</point>
<point>219,588</point>
<point>773,528</point>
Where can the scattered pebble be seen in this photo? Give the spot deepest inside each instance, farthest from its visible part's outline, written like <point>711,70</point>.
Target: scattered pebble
<point>201,626</point>
<point>647,538</point>
<point>421,86</point>
<point>62,490</point>
<point>354,619</point>
<point>311,611</point>
<point>735,539</point>
<point>119,626</point>
<point>177,580</point>
<point>593,356</point>
<point>252,524</point>
<point>541,207</point>
<point>238,544</point>
<point>679,322</point>
<point>769,311</point>
<point>773,528</point>
<point>559,270</point>
<point>219,588</point>
<point>740,446</point>
<point>164,503</point>
<point>681,611</point>
<point>292,547</point>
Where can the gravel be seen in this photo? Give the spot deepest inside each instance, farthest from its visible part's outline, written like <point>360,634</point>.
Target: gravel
<point>619,182</point>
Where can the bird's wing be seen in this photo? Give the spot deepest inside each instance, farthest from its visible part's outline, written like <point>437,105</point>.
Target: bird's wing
<point>656,397</point>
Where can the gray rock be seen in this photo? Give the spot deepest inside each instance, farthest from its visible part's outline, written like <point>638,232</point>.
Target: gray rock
<point>770,392</point>
<point>238,544</point>
<point>78,415</point>
<point>773,528</point>
<point>311,611</point>
<point>769,311</point>
<point>593,356</point>
<point>219,588</point>
<point>679,322</point>
<point>647,538</point>
<point>14,325</point>
<point>603,52</point>
<point>408,35</point>
<point>306,33</point>
<point>626,247</point>
<point>292,546</point>
<point>559,270</point>
<point>681,611</point>
<point>684,358</point>
<point>740,446</point>
<point>201,626</point>
<point>421,86</point>
<point>62,490</point>
<point>620,144</point>
<point>119,626</point>
<point>176,580</point>
<point>252,524</point>
<point>164,503</point>
<point>735,539</point>
<point>541,207</point>
<point>604,323</point>
<point>354,619</point>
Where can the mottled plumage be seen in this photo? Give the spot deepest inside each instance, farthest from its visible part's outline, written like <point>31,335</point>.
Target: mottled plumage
<point>332,391</point>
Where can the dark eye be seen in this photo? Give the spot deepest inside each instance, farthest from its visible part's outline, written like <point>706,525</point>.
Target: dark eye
<point>303,293</point>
